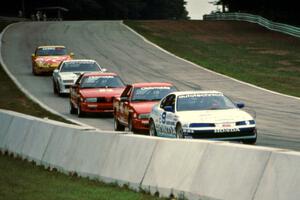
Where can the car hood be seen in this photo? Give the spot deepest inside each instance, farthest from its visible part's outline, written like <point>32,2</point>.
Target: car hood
<point>69,75</point>
<point>214,116</point>
<point>101,92</point>
<point>52,59</point>
<point>143,107</point>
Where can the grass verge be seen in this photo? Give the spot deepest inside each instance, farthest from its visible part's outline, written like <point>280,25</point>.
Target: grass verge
<point>13,99</point>
<point>242,50</point>
<point>24,180</point>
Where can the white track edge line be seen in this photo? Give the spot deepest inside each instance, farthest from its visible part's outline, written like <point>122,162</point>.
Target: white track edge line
<point>26,92</point>
<point>198,66</point>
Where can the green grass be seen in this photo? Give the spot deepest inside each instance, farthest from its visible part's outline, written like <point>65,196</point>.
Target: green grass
<point>241,50</point>
<point>13,99</point>
<point>24,180</point>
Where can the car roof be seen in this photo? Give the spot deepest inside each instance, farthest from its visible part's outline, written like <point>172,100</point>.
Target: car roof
<point>151,84</point>
<point>197,92</point>
<point>51,46</point>
<point>79,60</point>
<point>100,74</point>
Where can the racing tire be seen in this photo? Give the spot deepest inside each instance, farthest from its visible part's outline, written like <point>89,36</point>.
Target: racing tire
<point>152,130</point>
<point>117,125</point>
<point>130,125</point>
<point>80,113</point>
<point>179,131</point>
<point>251,141</point>
<point>34,72</point>
<point>72,109</point>
<point>54,87</point>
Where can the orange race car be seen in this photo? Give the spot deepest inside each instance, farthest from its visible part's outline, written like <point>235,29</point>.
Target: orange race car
<point>47,58</point>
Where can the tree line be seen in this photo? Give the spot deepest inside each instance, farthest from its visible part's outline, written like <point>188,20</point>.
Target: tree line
<point>284,11</point>
<point>101,9</point>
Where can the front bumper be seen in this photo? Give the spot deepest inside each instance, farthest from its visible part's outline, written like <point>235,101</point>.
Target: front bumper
<point>240,135</point>
<point>48,69</point>
<point>103,107</point>
<point>140,124</point>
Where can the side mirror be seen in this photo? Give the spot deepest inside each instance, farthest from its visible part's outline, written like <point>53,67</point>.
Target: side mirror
<point>103,69</point>
<point>72,54</point>
<point>55,71</point>
<point>124,99</point>
<point>33,55</point>
<point>168,109</point>
<point>240,105</point>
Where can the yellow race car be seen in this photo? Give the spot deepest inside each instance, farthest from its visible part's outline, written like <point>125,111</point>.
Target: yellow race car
<point>47,58</point>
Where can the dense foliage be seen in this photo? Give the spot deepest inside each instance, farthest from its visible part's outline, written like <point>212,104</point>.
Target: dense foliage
<point>102,9</point>
<point>276,10</point>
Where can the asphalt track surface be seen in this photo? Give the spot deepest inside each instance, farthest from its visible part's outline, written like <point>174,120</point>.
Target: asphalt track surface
<point>119,50</point>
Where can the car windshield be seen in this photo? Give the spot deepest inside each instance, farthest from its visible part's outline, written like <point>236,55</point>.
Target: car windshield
<point>199,101</point>
<point>151,93</point>
<point>79,67</point>
<point>51,51</point>
<point>102,82</point>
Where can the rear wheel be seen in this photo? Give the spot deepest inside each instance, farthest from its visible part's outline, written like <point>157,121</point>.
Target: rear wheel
<point>179,131</point>
<point>117,125</point>
<point>152,130</point>
<point>72,109</point>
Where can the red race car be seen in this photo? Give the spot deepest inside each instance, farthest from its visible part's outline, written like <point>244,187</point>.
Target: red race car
<point>132,108</point>
<point>94,93</point>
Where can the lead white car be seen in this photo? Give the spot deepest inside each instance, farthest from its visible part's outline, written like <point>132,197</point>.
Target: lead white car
<point>68,71</point>
<point>203,115</point>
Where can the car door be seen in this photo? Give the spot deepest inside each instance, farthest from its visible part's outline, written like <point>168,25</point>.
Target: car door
<point>74,91</point>
<point>166,116</point>
<point>124,104</point>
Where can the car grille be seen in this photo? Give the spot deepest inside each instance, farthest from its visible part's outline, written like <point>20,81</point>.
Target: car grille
<point>211,134</point>
<point>104,99</point>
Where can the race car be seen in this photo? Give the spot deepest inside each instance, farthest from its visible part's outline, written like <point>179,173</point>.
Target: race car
<point>47,58</point>
<point>94,93</point>
<point>202,115</point>
<point>68,71</point>
<point>135,103</point>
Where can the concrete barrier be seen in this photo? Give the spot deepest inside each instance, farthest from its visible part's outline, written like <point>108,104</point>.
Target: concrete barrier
<point>128,160</point>
<point>281,179</point>
<point>37,140</point>
<point>191,169</point>
<point>5,121</point>
<point>16,134</point>
<point>90,150</point>
<point>173,166</point>
<point>229,171</point>
<point>58,151</point>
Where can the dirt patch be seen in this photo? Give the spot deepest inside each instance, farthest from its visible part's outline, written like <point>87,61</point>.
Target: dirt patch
<point>284,62</point>
<point>288,69</point>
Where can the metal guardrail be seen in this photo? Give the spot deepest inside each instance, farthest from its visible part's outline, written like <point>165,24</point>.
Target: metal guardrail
<point>280,27</point>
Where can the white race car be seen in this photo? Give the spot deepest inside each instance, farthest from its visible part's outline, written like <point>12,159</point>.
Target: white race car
<point>68,71</point>
<point>203,115</point>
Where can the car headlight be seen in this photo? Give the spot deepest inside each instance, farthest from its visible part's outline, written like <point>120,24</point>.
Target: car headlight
<point>40,63</point>
<point>91,100</point>
<point>144,116</point>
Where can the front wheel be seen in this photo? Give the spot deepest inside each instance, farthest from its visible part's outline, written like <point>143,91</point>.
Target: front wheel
<point>117,125</point>
<point>152,130</point>
<point>130,125</point>
<point>80,113</point>
<point>54,88</point>
<point>179,131</point>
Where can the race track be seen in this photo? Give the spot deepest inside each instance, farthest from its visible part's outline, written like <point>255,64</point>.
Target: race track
<point>119,50</point>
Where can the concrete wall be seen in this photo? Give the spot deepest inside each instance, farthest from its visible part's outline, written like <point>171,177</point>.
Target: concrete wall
<point>192,169</point>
